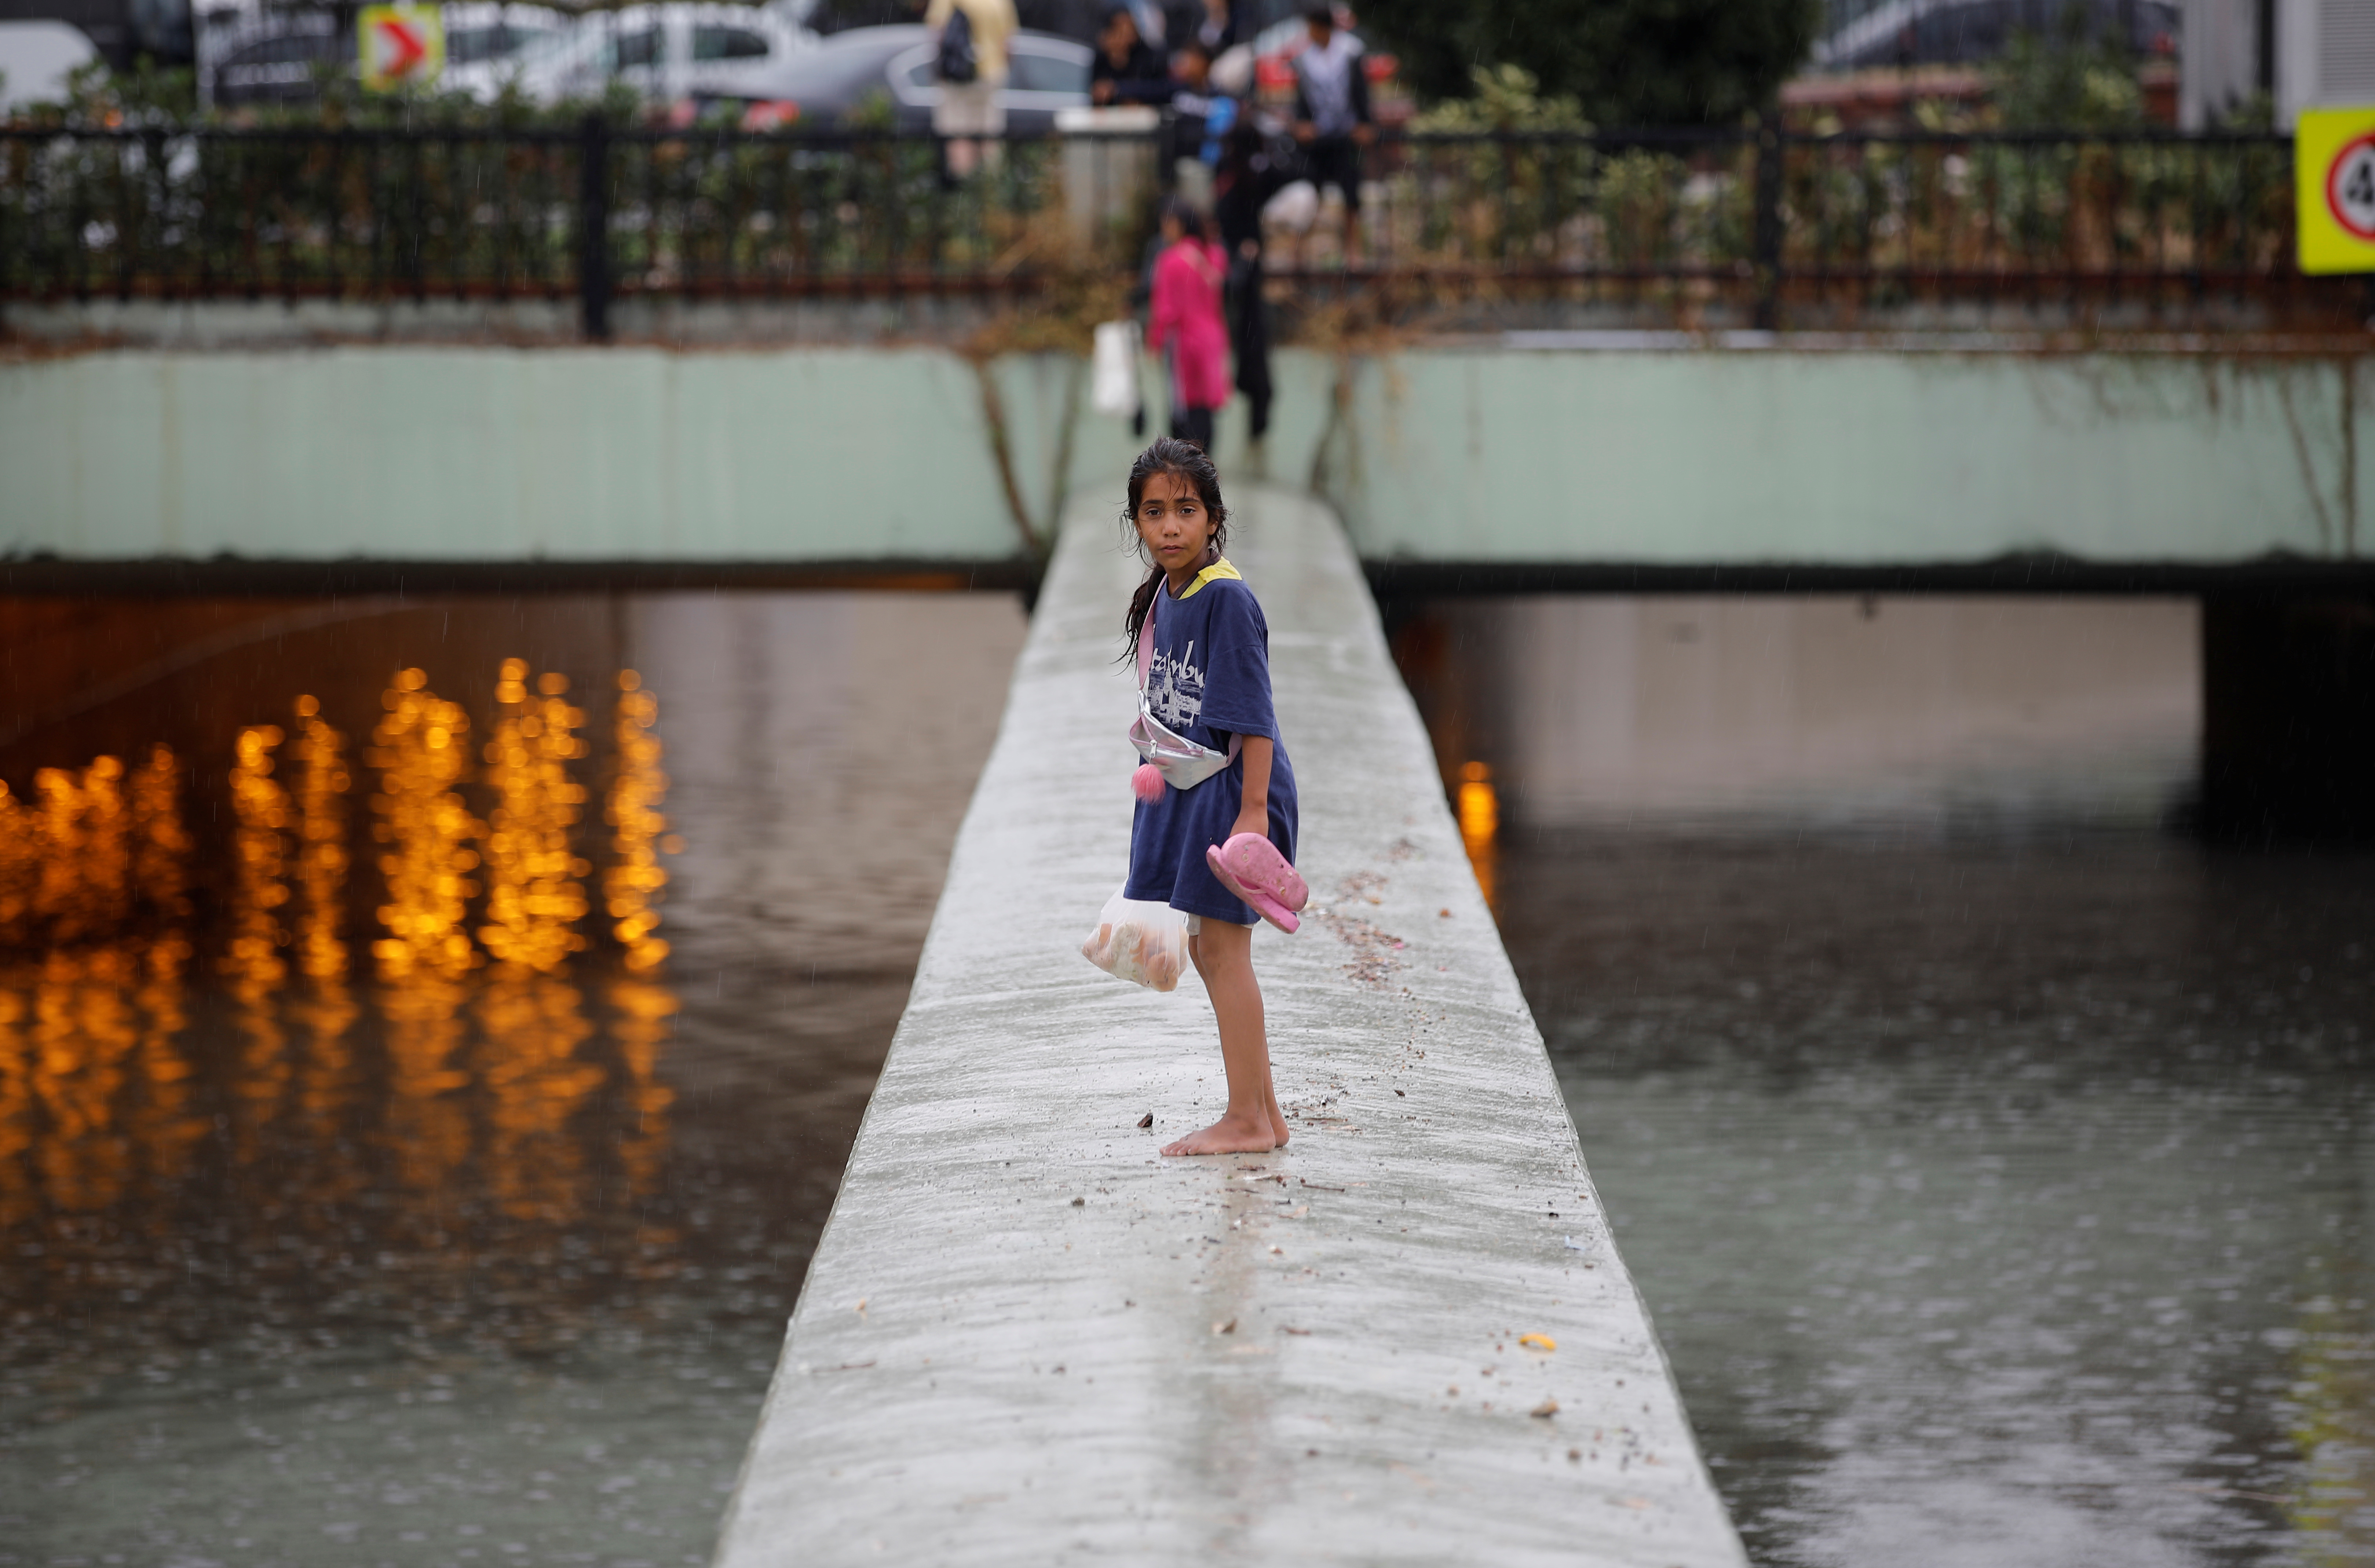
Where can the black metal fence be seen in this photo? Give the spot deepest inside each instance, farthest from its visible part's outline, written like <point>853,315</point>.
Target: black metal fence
<point>589,215</point>
<point>1757,225</point>
<point>1760,222</point>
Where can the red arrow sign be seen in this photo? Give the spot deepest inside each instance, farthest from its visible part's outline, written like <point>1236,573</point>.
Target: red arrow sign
<point>403,46</point>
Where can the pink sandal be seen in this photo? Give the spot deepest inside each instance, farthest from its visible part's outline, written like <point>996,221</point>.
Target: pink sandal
<point>1250,866</point>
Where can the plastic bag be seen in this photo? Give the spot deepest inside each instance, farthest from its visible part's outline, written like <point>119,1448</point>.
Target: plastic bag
<point>1114,369</point>
<point>1140,941</point>
<point>1233,73</point>
<point>1294,209</point>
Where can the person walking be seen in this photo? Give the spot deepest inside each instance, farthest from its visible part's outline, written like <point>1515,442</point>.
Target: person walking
<point>973,67</point>
<point>1222,849</point>
<point>1249,177</point>
<point>1332,114</point>
<point>1185,320</point>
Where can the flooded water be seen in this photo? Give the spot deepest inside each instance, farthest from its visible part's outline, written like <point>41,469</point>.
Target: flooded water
<point>1994,1160</point>
<point>309,1258</point>
<point>1992,1154</point>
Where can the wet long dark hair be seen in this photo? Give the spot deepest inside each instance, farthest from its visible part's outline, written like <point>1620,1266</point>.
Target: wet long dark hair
<point>1185,459</point>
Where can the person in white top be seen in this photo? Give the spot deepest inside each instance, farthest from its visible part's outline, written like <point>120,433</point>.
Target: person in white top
<point>971,109</point>
<point>1332,114</point>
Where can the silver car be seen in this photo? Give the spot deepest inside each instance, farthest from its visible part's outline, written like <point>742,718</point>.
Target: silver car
<point>670,53</point>
<point>821,88</point>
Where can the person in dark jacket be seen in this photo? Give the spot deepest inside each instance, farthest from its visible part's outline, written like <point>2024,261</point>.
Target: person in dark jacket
<point>1332,114</point>
<point>1124,69</point>
<point>1249,175</point>
<point>1198,112</point>
<point>1215,27</point>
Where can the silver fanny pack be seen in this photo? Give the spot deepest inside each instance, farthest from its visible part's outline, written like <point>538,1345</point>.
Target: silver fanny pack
<point>1183,764</point>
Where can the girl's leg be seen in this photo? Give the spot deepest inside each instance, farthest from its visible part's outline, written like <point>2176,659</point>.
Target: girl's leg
<point>1225,957</point>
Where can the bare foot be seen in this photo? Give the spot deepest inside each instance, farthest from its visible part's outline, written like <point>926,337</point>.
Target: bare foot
<point>1269,1109</point>
<point>1231,1134</point>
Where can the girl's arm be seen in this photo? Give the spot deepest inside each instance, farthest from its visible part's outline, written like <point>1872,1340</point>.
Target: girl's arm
<point>1253,814</point>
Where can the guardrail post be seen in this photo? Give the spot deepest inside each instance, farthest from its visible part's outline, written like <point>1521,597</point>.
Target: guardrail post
<point>594,225</point>
<point>1765,241</point>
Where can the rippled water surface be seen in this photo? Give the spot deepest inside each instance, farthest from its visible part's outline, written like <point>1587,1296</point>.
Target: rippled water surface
<point>349,1272</point>
<point>1998,1202</point>
<point>1995,1160</point>
<point>1993,1156</point>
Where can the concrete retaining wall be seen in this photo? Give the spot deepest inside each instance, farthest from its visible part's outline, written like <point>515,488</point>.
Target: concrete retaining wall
<point>1025,1339</point>
<point>1487,454</point>
<point>1852,457</point>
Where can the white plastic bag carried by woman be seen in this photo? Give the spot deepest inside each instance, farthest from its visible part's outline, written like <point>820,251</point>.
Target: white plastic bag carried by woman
<point>1113,369</point>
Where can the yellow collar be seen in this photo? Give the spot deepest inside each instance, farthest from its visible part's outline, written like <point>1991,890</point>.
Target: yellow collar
<point>1220,567</point>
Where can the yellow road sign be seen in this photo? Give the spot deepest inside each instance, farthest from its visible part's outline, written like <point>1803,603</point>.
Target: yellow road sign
<point>2334,184</point>
<point>402,46</point>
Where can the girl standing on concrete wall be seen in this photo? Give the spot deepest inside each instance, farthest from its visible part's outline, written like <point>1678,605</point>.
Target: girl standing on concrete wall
<point>1214,833</point>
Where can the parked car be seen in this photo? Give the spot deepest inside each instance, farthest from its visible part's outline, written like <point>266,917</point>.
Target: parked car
<point>1964,32</point>
<point>895,65</point>
<point>475,34</point>
<point>672,53</point>
<point>121,30</point>
<point>271,57</point>
<point>254,55</point>
<point>35,59</point>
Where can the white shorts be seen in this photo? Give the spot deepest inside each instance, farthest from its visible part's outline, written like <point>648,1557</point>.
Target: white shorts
<point>969,109</point>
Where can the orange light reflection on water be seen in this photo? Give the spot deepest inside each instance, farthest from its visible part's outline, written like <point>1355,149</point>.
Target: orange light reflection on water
<point>535,891</point>
<point>634,882</point>
<point>449,1063</point>
<point>322,855</point>
<point>422,755</point>
<point>1479,827</point>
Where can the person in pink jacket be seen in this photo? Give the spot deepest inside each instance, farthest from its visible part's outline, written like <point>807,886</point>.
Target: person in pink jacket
<point>1188,322</point>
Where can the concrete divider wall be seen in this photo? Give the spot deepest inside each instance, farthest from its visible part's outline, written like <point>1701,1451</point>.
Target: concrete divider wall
<point>1852,457</point>
<point>483,454</point>
<point>1468,454</point>
<point>1025,1339</point>
<point>490,454</point>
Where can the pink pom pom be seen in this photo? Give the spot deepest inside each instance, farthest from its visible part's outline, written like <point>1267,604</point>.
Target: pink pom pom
<point>1147,782</point>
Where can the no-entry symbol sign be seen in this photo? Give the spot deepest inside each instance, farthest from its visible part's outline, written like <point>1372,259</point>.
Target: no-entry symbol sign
<point>402,46</point>
<point>2334,189</point>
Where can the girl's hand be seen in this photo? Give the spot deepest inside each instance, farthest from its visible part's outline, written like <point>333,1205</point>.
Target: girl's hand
<point>1256,822</point>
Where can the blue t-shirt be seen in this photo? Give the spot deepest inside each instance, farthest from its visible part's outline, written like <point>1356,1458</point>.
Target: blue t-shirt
<point>1209,679</point>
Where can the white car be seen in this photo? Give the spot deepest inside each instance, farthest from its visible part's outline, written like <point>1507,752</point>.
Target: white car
<point>670,52</point>
<point>479,33</point>
<point>35,59</point>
